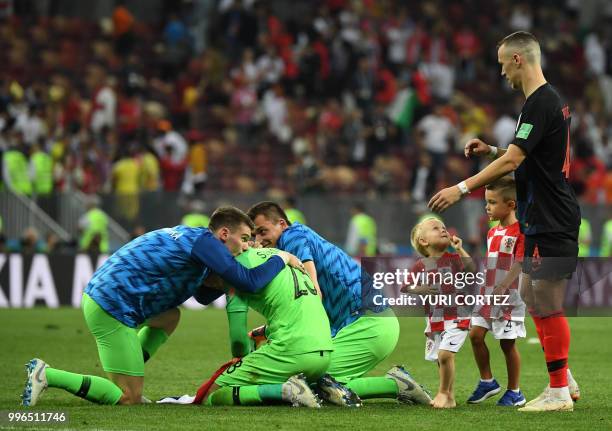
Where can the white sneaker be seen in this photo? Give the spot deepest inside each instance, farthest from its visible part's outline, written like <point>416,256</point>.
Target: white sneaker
<point>574,390</point>
<point>556,399</point>
<point>410,391</point>
<point>540,397</point>
<point>297,392</point>
<point>36,382</point>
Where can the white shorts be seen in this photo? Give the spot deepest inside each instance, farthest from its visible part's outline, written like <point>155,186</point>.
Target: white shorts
<point>450,340</point>
<point>500,328</point>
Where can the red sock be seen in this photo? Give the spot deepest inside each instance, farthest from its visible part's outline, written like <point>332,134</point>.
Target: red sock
<point>538,325</point>
<point>556,348</point>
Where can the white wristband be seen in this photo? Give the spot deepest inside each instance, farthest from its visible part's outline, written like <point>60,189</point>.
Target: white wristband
<point>493,152</point>
<point>463,187</point>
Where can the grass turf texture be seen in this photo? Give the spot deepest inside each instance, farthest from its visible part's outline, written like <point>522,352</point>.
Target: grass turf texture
<point>200,344</point>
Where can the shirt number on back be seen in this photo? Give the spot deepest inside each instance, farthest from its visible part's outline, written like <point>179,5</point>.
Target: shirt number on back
<point>296,284</point>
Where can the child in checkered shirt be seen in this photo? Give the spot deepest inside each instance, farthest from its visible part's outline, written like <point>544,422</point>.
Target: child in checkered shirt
<point>447,323</point>
<point>505,248</point>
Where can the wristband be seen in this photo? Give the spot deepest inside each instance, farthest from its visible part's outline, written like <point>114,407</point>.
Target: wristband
<point>463,187</point>
<point>493,152</point>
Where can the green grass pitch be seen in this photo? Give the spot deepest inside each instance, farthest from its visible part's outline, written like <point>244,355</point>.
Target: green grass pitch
<point>200,344</point>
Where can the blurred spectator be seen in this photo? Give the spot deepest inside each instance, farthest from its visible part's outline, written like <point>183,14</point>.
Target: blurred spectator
<point>363,84</point>
<point>503,130</point>
<point>41,171</point>
<point>126,177</point>
<point>167,137</point>
<point>595,54</point>
<point>307,175</point>
<point>436,135</point>
<point>31,124</point>
<point>293,214</point>
<point>195,216</point>
<point>15,171</point>
<point>103,83</point>
<point>361,236</point>
<point>584,238</point>
<point>605,249</point>
<point>270,67</point>
<point>29,243</point>
<point>521,17</point>
<point>104,99</point>
<point>467,46</point>
<point>243,105</point>
<point>275,109</point>
<point>172,171</point>
<point>198,161</point>
<point>93,227</point>
<point>150,170</point>
<point>123,25</point>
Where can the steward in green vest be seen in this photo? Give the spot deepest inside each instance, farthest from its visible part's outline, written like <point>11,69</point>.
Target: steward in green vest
<point>42,171</point>
<point>195,220</point>
<point>361,238</point>
<point>196,216</point>
<point>16,172</point>
<point>584,238</point>
<point>605,249</point>
<point>292,213</point>
<point>94,228</point>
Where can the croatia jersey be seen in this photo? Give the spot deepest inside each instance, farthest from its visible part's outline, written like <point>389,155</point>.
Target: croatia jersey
<point>505,245</point>
<point>339,276</point>
<point>162,269</point>
<point>442,317</point>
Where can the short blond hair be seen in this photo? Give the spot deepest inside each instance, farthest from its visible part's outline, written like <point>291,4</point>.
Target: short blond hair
<point>416,233</point>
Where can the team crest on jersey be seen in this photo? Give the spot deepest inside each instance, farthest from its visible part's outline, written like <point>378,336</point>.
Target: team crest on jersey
<point>507,245</point>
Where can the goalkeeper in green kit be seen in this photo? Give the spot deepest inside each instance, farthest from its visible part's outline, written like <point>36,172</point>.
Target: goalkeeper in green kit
<point>298,348</point>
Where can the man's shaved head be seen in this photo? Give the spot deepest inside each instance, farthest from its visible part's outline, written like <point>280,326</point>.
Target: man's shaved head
<point>523,43</point>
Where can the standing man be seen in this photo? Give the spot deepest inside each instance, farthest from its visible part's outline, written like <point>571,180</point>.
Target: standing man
<point>548,210</point>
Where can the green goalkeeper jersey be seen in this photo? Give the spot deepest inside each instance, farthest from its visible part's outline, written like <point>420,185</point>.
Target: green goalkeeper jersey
<point>296,320</point>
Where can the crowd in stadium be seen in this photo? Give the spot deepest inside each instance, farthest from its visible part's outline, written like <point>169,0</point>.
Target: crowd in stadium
<point>357,96</point>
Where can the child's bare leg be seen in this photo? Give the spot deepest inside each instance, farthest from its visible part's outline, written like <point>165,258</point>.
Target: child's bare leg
<point>513,362</point>
<point>481,352</point>
<point>445,397</point>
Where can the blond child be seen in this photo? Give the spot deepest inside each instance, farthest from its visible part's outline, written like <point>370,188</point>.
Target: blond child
<point>447,325</point>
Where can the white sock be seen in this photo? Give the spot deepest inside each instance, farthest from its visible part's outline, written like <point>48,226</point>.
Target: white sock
<point>516,391</point>
<point>561,393</point>
<point>487,380</point>
<point>569,375</point>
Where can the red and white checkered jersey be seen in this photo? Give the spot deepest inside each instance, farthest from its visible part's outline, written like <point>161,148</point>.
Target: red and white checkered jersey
<point>442,317</point>
<point>505,245</point>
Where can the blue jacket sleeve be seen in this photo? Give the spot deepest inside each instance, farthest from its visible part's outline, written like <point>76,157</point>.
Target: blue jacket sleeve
<point>210,252</point>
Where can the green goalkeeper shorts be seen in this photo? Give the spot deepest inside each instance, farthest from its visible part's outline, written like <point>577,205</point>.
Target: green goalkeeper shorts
<point>118,345</point>
<point>268,366</point>
<point>363,344</point>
